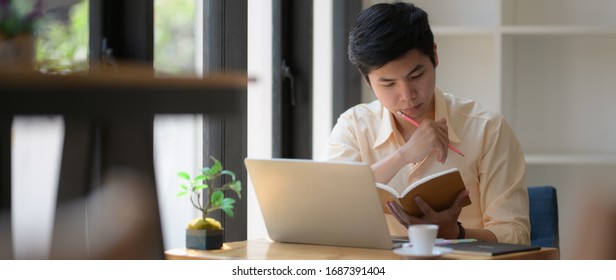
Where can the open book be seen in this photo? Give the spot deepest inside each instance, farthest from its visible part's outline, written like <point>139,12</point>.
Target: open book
<point>439,190</point>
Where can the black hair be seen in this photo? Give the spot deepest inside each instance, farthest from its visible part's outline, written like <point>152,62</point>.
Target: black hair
<point>385,32</point>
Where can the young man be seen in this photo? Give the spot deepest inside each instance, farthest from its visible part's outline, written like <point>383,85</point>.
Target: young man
<point>393,47</point>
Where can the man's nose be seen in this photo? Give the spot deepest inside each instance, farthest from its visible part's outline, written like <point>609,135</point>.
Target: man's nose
<point>407,92</point>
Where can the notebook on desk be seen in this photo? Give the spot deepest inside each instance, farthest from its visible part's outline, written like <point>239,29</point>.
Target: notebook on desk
<point>325,203</point>
<point>484,248</point>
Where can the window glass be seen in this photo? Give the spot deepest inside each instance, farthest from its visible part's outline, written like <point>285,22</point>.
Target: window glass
<point>177,139</point>
<point>61,40</point>
<point>175,37</point>
<point>62,37</point>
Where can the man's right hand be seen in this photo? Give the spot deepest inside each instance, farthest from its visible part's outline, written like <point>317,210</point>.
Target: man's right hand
<point>430,136</point>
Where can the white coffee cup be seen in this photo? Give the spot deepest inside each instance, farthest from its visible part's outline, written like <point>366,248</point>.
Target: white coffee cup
<point>422,238</point>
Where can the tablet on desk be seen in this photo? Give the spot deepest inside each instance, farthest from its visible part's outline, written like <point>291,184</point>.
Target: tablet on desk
<point>324,203</point>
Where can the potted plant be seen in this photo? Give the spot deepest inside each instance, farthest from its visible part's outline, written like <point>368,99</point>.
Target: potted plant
<point>207,196</point>
<point>18,21</point>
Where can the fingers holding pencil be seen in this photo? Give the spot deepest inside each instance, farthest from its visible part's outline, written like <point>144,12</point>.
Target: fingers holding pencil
<point>443,139</point>
<point>441,121</point>
<point>429,138</point>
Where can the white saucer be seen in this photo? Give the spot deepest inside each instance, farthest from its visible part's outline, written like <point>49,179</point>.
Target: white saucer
<point>409,253</point>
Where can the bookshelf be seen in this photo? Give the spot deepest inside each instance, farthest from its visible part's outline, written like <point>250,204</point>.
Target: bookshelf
<point>544,64</point>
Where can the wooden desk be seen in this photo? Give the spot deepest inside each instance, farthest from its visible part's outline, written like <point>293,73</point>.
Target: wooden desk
<point>267,250</point>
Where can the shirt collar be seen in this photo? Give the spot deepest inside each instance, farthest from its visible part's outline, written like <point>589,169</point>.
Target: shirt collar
<point>441,111</point>
<point>387,129</point>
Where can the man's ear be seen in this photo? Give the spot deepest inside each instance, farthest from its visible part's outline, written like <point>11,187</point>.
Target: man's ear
<point>435,56</point>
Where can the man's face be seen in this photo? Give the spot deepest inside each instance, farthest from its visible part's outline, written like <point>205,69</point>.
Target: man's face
<point>407,84</point>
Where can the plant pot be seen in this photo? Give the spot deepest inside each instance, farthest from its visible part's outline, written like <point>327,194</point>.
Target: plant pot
<point>204,239</point>
<point>17,53</point>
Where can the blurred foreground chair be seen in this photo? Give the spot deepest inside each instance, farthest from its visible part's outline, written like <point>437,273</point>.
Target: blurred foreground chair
<point>594,229</point>
<point>118,220</point>
<point>543,206</point>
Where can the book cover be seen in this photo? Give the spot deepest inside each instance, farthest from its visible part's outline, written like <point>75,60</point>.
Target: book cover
<point>484,248</point>
<point>439,190</point>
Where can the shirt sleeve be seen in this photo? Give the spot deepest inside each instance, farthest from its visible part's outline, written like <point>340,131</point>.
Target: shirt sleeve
<point>342,144</point>
<point>504,196</point>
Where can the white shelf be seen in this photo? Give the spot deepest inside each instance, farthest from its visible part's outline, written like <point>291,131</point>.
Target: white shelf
<point>557,30</point>
<point>524,30</point>
<point>546,65</point>
<point>479,13</point>
<point>463,31</point>
<point>570,159</point>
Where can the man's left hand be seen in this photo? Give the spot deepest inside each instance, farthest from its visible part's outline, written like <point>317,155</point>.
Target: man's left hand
<point>446,219</point>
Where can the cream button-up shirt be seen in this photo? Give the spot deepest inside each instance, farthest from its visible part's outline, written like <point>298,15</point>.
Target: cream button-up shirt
<point>493,167</point>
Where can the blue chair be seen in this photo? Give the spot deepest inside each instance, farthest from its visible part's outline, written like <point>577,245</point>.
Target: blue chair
<point>543,216</point>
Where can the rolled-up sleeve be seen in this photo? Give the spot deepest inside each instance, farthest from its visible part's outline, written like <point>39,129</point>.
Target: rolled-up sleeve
<point>342,144</point>
<point>504,194</point>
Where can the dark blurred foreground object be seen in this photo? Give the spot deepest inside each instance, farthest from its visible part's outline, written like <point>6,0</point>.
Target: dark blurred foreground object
<point>121,221</point>
<point>108,119</point>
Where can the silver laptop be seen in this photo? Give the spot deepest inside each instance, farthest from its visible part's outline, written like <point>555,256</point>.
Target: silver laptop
<point>326,203</point>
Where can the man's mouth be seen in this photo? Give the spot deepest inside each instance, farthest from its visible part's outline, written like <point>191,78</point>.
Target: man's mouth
<point>411,110</point>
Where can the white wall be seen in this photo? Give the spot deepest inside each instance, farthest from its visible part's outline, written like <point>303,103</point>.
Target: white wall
<point>322,75</point>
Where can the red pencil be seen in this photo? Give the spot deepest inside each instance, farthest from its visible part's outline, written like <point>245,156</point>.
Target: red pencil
<point>417,125</point>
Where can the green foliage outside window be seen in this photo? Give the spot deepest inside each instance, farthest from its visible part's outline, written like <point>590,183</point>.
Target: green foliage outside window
<point>62,46</point>
<point>174,37</point>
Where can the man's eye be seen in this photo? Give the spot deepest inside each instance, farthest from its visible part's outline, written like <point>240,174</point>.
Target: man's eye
<point>387,85</point>
<point>417,76</point>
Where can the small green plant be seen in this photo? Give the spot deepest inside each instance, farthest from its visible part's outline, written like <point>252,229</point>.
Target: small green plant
<point>204,185</point>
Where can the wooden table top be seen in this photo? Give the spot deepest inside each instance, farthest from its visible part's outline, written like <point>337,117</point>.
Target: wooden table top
<point>263,249</point>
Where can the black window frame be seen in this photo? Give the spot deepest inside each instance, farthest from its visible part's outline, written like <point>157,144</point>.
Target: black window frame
<point>225,49</point>
<point>292,78</point>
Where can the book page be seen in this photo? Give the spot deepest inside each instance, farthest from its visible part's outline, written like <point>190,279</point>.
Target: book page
<point>386,193</point>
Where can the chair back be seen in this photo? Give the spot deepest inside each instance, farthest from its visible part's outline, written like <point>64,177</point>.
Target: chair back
<point>543,216</point>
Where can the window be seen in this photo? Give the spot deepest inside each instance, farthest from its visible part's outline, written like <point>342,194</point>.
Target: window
<point>61,48</point>
<point>118,30</point>
<point>177,139</point>
<point>62,40</point>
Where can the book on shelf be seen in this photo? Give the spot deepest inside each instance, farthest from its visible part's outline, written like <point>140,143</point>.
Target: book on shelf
<point>484,248</point>
<point>439,190</point>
